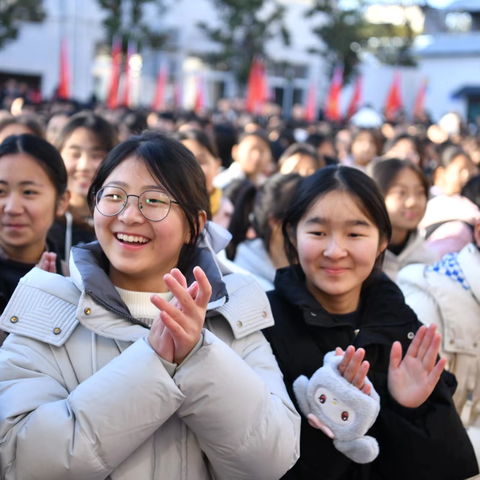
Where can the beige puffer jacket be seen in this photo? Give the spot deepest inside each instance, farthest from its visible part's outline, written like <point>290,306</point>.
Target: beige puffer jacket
<point>84,396</point>
<point>448,294</point>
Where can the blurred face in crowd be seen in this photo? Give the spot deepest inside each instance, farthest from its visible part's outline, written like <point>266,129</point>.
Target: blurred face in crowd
<point>206,160</point>
<point>364,148</point>
<point>254,156</point>
<point>326,148</point>
<point>28,205</point>
<point>452,178</point>
<point>406,202</point>
<point>82,153</point>
<point>54,126</point>
<point>14,129</point>
<point>405,149</point>
<point>300,163</point>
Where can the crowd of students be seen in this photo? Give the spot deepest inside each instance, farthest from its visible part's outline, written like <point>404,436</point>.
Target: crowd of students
<point>165,279</point>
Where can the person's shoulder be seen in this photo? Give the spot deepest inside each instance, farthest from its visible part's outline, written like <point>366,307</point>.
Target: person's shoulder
<point>42,307</point>
<point>247,309</point>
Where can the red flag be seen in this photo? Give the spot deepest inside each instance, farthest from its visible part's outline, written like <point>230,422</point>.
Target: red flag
<point>419,106</point>
<point>332,105</point>
<point>394,99</point>
<point>256,87</point>
<point>112,99</point>
<point>311,103</point>
<point>64,80</point>
<point>162,79</point>
<point>356,98</point>
<point>199,95</point>
<point>126,78</point>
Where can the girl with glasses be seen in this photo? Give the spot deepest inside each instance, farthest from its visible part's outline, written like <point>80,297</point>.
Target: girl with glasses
<point>149,362</point>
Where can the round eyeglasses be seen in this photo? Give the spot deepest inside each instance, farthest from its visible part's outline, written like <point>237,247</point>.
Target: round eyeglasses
<point>153,204</point>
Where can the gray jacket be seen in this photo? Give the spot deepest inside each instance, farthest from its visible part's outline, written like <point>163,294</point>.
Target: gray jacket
<point>84,396</point>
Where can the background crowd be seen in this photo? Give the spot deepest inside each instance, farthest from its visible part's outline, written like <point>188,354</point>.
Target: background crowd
<point>255,168</point>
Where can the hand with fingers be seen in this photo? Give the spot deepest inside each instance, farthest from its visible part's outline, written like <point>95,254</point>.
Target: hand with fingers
<point>412,380</point>
<point>353,368</point>
<point>47,262</point>
<point>178,328</point>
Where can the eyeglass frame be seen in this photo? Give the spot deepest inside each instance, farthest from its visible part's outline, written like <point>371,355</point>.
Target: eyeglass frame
<point>125,203</point>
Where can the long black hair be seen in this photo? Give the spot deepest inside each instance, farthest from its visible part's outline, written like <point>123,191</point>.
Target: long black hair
<point>43,152</point>
<point>171,164</point>
<point>352,181</point>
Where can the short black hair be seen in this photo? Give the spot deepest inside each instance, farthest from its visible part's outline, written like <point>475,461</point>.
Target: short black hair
<point>471,190</point>
<point>101,128</point>
<point>385,172</point>
<point>352,181</point>
<point>42,151</point>
<point>31,121</point>
<point>200,137</point>
<point>272,200</point>
<point>300,149</point>
<point>174,166</point>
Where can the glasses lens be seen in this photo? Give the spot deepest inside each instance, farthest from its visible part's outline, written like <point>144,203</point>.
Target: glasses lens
<point>110,200</point>
<point>154,205</point>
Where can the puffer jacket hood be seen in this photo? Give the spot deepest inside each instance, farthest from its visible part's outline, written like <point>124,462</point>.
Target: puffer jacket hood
<point>89,269</point>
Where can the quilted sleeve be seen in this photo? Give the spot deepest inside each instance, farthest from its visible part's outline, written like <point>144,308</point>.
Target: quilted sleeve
<point>47,432</point>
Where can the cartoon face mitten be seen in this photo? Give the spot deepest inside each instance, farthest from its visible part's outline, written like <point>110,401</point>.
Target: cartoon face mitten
<point>339,409</point>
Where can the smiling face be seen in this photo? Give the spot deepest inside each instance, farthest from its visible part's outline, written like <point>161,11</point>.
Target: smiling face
<point>206,160</point>
<point>406,202</point>
<point>82,153</point>
<point>337,248</point>
<point>28,205</point>
<point>140,251</point>
<point>253,155</point>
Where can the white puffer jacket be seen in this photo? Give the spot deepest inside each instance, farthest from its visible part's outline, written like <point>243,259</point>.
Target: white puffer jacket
<point>84,396</point>
<point>448,294</point>
<point>415,251</point>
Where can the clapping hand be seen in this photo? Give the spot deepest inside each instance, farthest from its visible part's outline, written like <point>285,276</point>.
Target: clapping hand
<point>178,327</point>
<point>353,368</point>
<point>412,380</point>
<point>47,262</point>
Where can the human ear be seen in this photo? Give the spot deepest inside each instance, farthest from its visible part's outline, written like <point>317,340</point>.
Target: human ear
<point>476,233</point>
<point>438,176</point>
<point>292,235</point>
<point>234,152</point>
<point>202,220</point>
<point>62,203</point>
<point>382,246</point>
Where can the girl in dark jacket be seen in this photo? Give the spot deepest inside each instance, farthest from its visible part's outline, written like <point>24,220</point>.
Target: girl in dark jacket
<point>334,295</point>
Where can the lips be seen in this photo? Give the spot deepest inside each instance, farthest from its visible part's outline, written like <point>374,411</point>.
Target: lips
<point>130,238</point>
<point>334,270</point>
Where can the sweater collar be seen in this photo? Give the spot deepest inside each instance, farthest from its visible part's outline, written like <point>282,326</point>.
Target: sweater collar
<point>89,269</point>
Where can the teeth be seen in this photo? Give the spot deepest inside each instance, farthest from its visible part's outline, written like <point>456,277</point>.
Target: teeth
<point>132,238</point>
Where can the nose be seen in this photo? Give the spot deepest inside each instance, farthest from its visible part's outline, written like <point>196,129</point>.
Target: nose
<point>334,249</point>
<point>85,163</point>
<point>13,205</point>
<point>410,201</point>
<point>131,214</point>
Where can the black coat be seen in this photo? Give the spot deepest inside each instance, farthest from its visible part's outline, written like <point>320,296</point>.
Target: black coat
<point>424,443</point>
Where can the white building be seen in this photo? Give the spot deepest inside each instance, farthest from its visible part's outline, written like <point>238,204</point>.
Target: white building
<point>36,51</point>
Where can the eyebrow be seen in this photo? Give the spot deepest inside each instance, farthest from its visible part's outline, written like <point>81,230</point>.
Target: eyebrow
<point>348,223</point>
<point>95,148</point>
<point>24,183</point>
<point>126,185</point>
